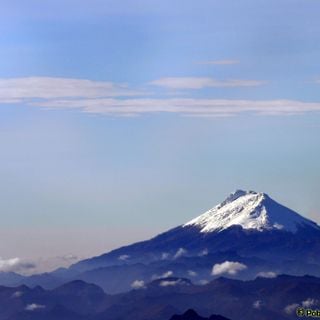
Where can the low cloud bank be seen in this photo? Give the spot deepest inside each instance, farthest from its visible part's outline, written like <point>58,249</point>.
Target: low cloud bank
<point>15,265</point>
<point>228,267</point>
<point>267,274</point>
<point>138,284</point>
<point>34,307</point>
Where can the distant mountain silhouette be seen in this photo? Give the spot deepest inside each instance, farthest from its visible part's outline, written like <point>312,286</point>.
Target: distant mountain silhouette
<point>56,313</point>
<point>226,261</point>
<point>259,299</point>
<point>247,228</point>
<point>192,315</point>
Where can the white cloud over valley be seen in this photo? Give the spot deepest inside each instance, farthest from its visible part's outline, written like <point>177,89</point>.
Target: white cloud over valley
<point>310,303</point>
<point>228,267</point>
<point>15,265</point>
<point>291,308</point>
<point>166,274</point>
<point>123,257</point>
<point>257,304</point>
<point>17,294</point>
<point>138,284</point>
<point>192,273</point>
<point>34,307</point>
<point>171,283</point>
<point>267,274</point>
<point>180,253</point>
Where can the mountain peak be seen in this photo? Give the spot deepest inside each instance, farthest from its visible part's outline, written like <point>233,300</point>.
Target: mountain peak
<point>250,210</point>
<point>192,315</point>
<point>238,194</point>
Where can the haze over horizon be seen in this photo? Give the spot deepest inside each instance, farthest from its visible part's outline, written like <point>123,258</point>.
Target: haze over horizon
<point>120,120</point>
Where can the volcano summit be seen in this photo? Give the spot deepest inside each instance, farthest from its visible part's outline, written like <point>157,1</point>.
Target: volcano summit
<point>250,210</point>
<point>245,236</point>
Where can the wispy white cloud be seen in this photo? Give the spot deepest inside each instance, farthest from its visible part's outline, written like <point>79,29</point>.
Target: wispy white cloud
<point>257,304</point>
<point>15,265</point>
<point>291,308</point>
<point>8,264</point>
<point>228,267</point>
<point>201,83</point>
<point>171,283</point>
<point>138,284</point>
<point>165,255</point>
<point>166,274</point>
<point>192,273</point>
<point>186,107</point>
<point>204,252</point>
<point>17,294</point>
<point>219,62</point>
<point>34,307</point>
<point>310,303</point>
<point>123,257</point>
<point>267,274</point>
<point>112,100</point>
<point>180,253</point>
<point>16,89</point>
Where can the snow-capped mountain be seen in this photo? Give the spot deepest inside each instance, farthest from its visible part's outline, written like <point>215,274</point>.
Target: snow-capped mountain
<point>250,210</point>
<point>253,219</point>
<point>248,229</point>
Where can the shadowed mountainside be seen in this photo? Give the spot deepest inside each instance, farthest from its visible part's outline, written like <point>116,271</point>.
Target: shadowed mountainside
<point>259,299</point>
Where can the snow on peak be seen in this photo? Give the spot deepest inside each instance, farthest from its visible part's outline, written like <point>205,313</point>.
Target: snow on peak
<point>250,210</point>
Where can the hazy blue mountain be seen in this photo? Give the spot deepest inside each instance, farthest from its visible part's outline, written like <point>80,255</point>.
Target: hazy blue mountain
<point>259,299</point>
<point>257,222</point>
<point>248,228</point>
<point>192,315</point>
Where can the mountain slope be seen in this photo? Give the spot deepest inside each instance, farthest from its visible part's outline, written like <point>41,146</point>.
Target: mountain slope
<point>259,299</point>
<point>248,229</point>
<point>192,315</point>
<point>250,210</point>
<point>253,219</point>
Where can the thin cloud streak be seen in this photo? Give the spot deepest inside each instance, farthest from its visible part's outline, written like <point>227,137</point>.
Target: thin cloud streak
<point>219,62</point>
<point>195,83</point>
<point>185,107</point>
<point>109,99</point>
<point>55,88</point>
<point>34,307</point>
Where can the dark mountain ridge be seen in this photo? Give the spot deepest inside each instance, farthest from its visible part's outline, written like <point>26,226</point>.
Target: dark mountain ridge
<point>259,299</point>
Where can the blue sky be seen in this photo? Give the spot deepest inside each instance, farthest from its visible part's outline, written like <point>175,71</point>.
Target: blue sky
<point>121,119</point>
